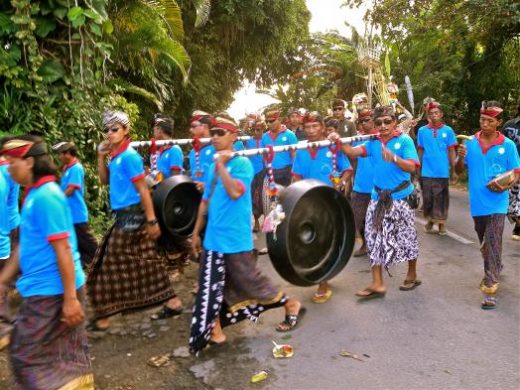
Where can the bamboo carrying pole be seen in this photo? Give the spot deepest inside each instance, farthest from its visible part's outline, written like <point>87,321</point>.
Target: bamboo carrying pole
<point>180,142</point>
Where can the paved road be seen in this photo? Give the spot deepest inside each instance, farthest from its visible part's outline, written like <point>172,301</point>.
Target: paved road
<point>434,337</point>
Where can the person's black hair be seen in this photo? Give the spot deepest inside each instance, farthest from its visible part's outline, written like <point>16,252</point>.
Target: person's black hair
<point>206,120</point>
<point>43,164</point>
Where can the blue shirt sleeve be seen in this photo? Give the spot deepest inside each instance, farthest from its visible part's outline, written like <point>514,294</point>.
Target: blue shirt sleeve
<point>133,166</point>
<point>342,162</point>
<point>75,177</point>
<point>176,158</point>
<point>299,163</point>
<point>452,140</point>
<point>291,138</point>
<point>420,141</point>
<point>514,160</point>
<point>243,171</point>
<point>52,218</point>
<point>409,151</point>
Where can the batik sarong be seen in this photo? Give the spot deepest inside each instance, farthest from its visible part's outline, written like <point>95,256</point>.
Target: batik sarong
<point>513,211</point>
<point>395,241</point>
<point>232,288</point>
<point>257,187</point>
<point>87,244</point>
<point>359,203</point>
<point>127,273</point>
<point>44,352</point>
<point>490,229</point>
<point>436,199</point>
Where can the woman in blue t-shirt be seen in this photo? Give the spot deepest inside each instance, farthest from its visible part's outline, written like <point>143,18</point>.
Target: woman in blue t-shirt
<point>49,347</point>
<point>127,272</point>
<point>390,233</point>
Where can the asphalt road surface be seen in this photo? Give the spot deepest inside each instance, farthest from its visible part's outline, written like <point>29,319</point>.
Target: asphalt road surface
<point>435,337</point>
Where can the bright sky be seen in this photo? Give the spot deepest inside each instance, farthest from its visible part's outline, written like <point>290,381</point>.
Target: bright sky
<point>326,15</point>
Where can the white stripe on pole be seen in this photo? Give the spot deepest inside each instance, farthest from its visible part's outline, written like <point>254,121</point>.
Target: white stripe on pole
<point>186,141</point>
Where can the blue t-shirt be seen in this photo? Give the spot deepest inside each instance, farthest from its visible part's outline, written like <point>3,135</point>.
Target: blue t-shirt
<point>12,198</point>
<point>285,137</point>
<point>5,242</point>
<point>74,176</point>
<point>387,174</point>
<point>45,217</point>
<point>125,167</point>
<point>170,158</point>
<point>364,177</point>
<point>229,220</point>
<point>317,164</point>
<point>483,166</point>
<point>435,143</point>
<point>238,145</point>
<point>198,173</point>
<point>256,161</point>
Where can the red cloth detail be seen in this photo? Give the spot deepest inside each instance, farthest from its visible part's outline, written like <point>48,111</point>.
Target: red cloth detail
<point>153,146</point>
<point>58,236</point>
<point>491,111</point>
<point>75,186</point>
<point>72,163</point>
<point>417,163</point>
<point>452,146</point>
<point>122,148</point>
<point>138,177</point>
<point>269,157</point>
<point>226,126</point>
<point>18,152</point>
<point>197,145</point>
<point>43,180</point>
<point>364,149</point>
<point>313,152</point>
<point>395,134</point>
<point>498,141</point>
<point>241,185</point>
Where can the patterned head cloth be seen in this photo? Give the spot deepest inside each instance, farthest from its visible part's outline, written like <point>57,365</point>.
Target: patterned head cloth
<point>293,110</point>
<point>384,111</point>
<point>20,148</point>
<point>226,124</point>
<point>364,113</point>
<point>62,147</point>
<point>338,103</point>
<point>432,105</point>
<point>490,110</point>
<point>112,117</point>
<point>273,115</point>
<point>198,115</point>
<point>313,116</point>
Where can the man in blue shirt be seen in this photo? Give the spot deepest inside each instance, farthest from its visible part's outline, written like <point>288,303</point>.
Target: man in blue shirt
<point>73,186</point>
<point>12,201</point>
<point>279,135</point>
<point>257,128</point>
<point>328,165</point>
<point>231,286</point>
<point>201,156</point>
<point>390,230</point>
<point>487,155</point>
<point>436,147</point>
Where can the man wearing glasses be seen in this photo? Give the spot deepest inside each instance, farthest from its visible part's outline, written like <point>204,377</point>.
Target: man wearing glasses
<point>346,128</point>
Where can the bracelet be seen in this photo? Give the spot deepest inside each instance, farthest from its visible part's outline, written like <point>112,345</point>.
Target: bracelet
<point>395,158</point>
<point>152,222</point>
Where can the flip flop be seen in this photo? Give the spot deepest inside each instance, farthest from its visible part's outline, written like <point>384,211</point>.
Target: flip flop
<point>409,285</point>
<point>322,298</point>
<point>166,312</point>
<point>488,303</point>
<point>291,321</point>
<point>369,293</point>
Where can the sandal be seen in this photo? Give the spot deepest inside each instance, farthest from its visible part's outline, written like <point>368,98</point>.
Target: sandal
<point>291,321</point>
<point>409,285</point>
<point>369,293</point>
<point>92,326</point>
<point>489,302</point>
<point>166,312</point>
<point>322,297</point>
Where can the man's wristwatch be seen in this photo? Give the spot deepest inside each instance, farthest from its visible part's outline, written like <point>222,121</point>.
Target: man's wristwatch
<point>395,158</point>
<point>152,222</point>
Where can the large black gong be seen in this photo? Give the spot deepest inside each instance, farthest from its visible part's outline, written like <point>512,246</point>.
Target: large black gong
<point>316,238</point>
<point>176,203</point>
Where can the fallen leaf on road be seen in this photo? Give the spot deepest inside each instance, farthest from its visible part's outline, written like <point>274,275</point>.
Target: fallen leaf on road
<point>159,360</point>
<point>260,376</point>
<point>350,355</point>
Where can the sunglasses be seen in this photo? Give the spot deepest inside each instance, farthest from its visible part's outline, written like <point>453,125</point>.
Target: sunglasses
<point>271,120</point>
<point>111,129</point>
<point>338,109</point>
<point>379,122</point>
<point>218,132</point>
<point>365,120</point>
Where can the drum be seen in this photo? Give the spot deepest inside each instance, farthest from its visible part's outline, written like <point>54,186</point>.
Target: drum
<point>316,239</point>
<point>176,202</point>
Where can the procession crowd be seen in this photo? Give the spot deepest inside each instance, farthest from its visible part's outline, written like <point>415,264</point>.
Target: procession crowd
<point>50,256</point>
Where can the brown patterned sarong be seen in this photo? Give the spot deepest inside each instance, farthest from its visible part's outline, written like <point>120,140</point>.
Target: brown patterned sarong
<point>490,229</point>
<point>45,353</point>
<point>359,203</point>
<point>127,273</point>
<point>436,198</point>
